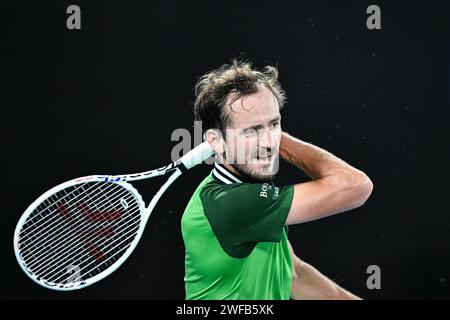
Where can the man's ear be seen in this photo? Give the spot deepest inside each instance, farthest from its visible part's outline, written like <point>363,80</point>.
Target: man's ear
<point>215,140</point>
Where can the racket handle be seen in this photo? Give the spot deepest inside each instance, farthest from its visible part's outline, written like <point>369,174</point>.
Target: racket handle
<point>197,155</point>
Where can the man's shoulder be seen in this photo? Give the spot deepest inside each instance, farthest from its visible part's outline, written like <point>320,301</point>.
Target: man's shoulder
<point>212,195</point>
<point>194,201</point>
<point>241,191</point>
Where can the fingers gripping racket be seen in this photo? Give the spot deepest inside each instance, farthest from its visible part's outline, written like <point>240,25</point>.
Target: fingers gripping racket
<point>81,231</point>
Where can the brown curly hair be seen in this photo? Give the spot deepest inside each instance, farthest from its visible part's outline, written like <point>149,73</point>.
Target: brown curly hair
<point>238,78</point>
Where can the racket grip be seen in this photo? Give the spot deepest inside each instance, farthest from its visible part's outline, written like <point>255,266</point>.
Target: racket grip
<point>200,153</point>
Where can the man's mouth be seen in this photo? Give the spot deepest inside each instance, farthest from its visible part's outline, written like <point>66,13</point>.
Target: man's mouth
<point>266,156</point>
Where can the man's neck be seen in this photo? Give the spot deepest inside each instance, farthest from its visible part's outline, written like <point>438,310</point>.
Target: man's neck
<point>230,168</point>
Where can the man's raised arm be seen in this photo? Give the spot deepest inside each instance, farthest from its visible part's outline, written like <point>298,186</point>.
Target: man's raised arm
<point>335,187</point>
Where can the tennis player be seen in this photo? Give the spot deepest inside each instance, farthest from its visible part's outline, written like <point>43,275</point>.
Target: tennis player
<point>235,225</point>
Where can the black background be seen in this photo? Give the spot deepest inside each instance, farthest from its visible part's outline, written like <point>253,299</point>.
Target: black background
<point>106,98</point>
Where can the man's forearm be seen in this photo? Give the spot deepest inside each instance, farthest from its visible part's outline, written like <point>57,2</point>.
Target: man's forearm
<point>310,284</point>
<point>314,161</point>
<point>335,187</point>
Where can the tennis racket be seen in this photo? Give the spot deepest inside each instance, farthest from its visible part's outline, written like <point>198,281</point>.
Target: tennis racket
<point>81,231</point>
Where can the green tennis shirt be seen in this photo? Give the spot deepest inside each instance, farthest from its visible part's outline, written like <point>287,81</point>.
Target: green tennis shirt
<point>236,240</point>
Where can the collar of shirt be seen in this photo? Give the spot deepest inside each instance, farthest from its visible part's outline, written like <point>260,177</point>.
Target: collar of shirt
<point>223,175</point>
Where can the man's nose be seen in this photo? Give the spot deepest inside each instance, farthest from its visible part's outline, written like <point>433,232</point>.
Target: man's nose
<point>267,139</point>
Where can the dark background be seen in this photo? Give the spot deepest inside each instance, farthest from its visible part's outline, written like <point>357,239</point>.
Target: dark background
<point>106,98</point>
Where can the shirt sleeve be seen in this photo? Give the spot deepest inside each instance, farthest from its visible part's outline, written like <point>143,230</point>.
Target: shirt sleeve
<point>241,215</point>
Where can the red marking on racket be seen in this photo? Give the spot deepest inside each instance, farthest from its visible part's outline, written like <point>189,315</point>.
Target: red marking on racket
<point>99,216</point>
<point>92,233</point>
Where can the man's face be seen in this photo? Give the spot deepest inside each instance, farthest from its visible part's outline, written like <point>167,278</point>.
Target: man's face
<point>253,138</point>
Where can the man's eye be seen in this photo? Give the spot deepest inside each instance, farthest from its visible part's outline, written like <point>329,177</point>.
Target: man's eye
<point>275,124</point>
<point>249,132</point>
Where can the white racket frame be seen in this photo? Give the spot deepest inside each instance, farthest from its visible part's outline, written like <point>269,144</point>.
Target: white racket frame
<point>188,161</point>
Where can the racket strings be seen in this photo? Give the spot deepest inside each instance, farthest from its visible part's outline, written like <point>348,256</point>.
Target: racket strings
<point>58,274</point>
<point>66,245</point>
<point>87,274</point>
<point>31,223</point>
<point>77,251</point>
<point>49,223</point>
<point>52,262</point>
<point>59,229</point>
<point>114,253</point>
<point>96,221</point>
<point>38,233</point>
